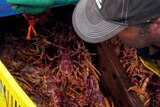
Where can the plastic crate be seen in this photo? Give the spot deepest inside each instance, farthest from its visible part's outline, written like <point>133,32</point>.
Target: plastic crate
<point>11,94</point>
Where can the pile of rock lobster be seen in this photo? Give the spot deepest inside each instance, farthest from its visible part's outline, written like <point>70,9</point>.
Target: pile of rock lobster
<point>54,70</point>
<point>145,83</point>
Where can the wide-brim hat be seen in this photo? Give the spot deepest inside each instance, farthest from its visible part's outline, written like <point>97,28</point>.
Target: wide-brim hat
<point>98,20</point>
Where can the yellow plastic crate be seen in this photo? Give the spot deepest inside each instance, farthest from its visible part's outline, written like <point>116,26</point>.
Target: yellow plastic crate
<point>11,94</point>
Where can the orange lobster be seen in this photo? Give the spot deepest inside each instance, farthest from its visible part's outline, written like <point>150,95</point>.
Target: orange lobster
<point>35,19</point>
<point>32,20</point>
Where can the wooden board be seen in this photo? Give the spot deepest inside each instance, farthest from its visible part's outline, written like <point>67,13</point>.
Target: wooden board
<point>115,78</point>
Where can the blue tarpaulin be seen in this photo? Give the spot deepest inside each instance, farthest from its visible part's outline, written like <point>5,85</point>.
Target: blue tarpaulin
<point>6,9</point>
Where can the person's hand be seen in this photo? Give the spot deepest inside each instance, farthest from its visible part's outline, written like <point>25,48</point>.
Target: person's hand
<point>36,6</point>
<point>31,6</point>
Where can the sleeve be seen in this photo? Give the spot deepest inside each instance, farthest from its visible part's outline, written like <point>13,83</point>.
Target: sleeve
<point>149,52</point>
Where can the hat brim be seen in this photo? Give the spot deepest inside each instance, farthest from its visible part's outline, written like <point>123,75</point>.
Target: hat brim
<point>90,26</point>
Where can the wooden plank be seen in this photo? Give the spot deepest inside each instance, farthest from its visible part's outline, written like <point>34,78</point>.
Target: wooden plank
<point>115,78</point>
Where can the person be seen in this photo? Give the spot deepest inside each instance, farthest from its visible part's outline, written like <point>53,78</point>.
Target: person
<point>135,22</point>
